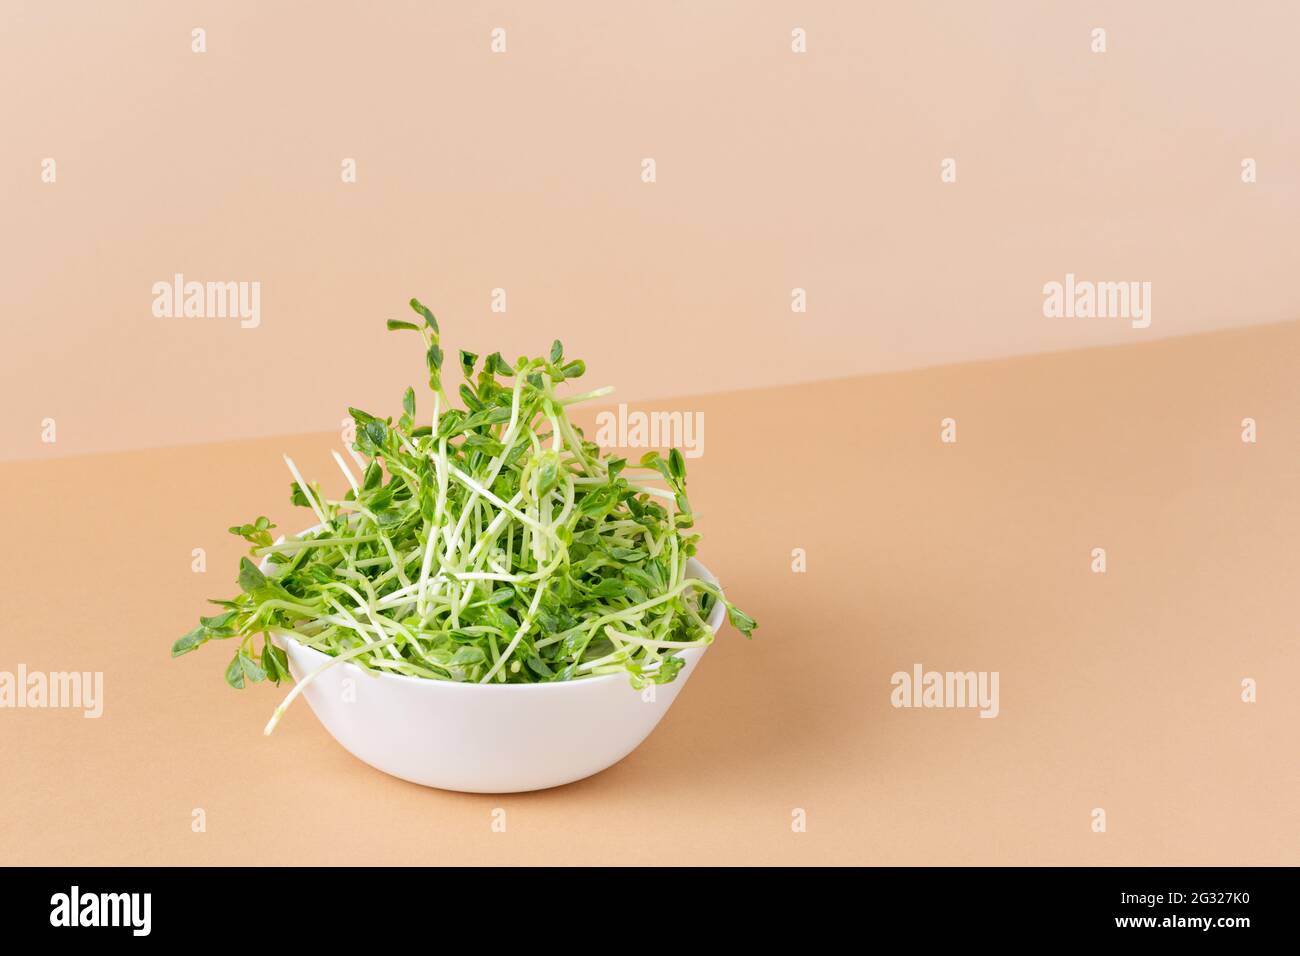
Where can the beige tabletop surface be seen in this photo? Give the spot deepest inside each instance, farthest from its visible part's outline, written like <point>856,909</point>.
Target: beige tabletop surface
<point>1120,691</point>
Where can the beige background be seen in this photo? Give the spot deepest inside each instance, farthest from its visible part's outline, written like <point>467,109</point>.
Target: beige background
<point>521,171</point>
<point>1119,691</point>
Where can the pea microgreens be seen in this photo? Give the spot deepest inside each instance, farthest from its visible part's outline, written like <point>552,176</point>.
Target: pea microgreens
<point>492,544</point>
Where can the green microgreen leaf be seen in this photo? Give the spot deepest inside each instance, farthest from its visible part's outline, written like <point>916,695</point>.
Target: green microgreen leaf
<point>426,314</point>
<point>467,362</point>
<point>250,577</point>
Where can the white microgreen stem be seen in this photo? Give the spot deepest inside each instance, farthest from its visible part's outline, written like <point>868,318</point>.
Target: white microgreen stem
<point>347,473</point>
<point>299,687</point>
<point>306,492</point>
<point>585,396</point>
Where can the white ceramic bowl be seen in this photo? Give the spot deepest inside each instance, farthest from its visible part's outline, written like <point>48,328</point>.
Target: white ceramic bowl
<point>488,738</point>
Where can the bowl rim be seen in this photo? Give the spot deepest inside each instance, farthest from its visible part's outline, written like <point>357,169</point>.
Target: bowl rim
<point>714,623</point>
